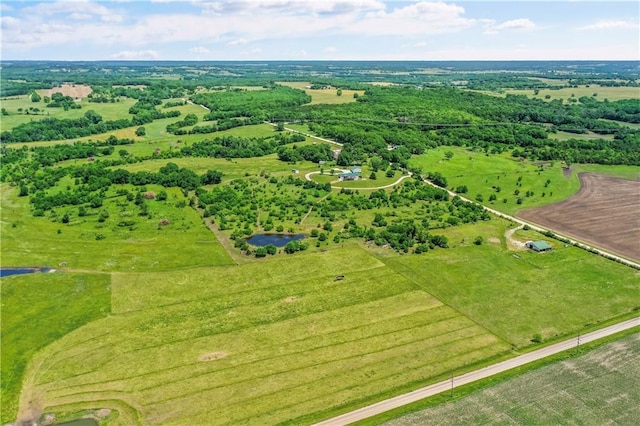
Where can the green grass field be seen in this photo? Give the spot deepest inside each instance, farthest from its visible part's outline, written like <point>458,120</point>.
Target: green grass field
<point>483,174</point>
<point>610,93</point>
<point>108,111</point>
<point>262,344</point>
<point>226,345</point>
<point>31,305</point>
<point>602,93</point>
<point>43,241</point>
<point>508,294</point>
<point>325,96</point>
<point>597,388</point>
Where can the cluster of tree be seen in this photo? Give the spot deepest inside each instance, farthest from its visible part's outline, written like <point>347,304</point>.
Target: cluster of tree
<point>231,147</point>
<point>260,104</point>
<point>188,120</point>
<point>313,153</point>
<point>58,100</point>
<point>92,181</point>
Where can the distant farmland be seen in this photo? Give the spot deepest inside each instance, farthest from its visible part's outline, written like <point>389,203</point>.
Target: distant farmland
<point>598,388</point>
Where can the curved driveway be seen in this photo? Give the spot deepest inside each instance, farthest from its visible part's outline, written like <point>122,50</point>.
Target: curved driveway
<point>308,177</point>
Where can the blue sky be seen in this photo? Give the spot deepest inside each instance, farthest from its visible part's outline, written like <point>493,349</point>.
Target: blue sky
<point>319,30</point>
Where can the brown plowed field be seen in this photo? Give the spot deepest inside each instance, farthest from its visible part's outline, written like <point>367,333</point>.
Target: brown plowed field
<point>605,212</point>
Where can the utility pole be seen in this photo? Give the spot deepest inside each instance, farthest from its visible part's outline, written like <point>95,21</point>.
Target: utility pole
<point>451,385</point>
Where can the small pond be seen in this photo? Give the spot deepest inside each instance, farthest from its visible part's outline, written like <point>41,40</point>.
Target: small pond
<point>278,240</point>
<point>6,272</point>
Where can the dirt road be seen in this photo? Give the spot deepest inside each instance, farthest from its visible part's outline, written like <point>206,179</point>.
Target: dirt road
<point>472,376</point>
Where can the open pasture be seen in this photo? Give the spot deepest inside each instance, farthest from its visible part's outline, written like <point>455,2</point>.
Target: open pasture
<point>123,242</point>
<point>234,168</point>
<point>597,388</point>
<point>157,137</point>
<point>108,111</point>
<point>602,92</point>
<point>499,175</point>
<point>518,295</point>
<point>325,96</point>
<point>604,212</point>
<point>272,342</point>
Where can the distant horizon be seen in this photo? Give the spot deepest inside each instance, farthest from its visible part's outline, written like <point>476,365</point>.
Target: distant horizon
<point>320,30</point>
<point>314,60</point>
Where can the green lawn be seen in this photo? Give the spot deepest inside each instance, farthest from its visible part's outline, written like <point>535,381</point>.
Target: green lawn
<point>38,309</point>
<point>597,388</point>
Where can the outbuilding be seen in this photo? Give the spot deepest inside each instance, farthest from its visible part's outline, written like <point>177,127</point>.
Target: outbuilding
<point>538,246</point>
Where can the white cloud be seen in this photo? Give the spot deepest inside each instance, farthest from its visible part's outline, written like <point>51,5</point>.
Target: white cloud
<point>80,16</point>
<point>418,18</point>
<point>517,24</point>
<point>5,7</point>
<point>289,7</point>
<point>420,44</point>
<point>69,8</point>
<point>199,50</point>
<point>237,42</point>
<point>330,49</point>
<point>492,27</point>
<point>135,54</point>
<point>611,25</point>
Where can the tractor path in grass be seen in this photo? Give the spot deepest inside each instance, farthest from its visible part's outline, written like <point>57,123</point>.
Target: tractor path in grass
<point>445,385</point>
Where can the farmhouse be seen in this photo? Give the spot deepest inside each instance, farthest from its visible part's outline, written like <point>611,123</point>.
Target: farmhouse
<point>349,176</point>
<point>538,246</point>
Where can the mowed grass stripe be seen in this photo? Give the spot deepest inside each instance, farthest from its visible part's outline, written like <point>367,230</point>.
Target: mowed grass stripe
<point>132,292</point>
<point>169,326</point>
<point>365,375</point>
<point>234,375</point>
<point>318,356</point>
<point>275,340</point>
<point>413,374</point>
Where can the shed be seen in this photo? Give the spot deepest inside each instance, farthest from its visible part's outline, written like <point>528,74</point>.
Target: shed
<point>538,246</point>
